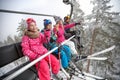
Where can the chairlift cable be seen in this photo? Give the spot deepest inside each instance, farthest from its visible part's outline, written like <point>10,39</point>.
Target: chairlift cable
<point>27,13</point>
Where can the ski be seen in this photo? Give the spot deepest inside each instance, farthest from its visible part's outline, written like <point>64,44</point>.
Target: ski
<point>93,76</point>
<point>97,53</point>
<point>103,51</point>
<point>97,58</point>
<point>66,73</point>
<point>88,76</point>
<point>84,75</point>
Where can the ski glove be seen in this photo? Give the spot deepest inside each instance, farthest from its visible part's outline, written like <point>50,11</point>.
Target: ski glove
<point>77,23</point>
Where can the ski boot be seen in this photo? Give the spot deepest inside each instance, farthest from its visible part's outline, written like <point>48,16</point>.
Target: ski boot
<point>80,57</point>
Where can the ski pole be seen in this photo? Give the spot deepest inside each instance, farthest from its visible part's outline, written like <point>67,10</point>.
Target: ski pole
<point>98,53</point>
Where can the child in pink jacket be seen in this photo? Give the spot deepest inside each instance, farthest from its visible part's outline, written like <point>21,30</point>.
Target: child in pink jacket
<point>32,46</point>
<point>59,30</point>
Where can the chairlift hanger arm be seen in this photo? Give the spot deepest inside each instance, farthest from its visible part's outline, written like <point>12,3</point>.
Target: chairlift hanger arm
<point>68,2</point>
<point>27,13</point>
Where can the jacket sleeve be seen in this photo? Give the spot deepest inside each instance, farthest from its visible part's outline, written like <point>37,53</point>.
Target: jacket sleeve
<point>46,36</point>
<point>26,49</point>
<point>69,26</point>
<point>57,32</point>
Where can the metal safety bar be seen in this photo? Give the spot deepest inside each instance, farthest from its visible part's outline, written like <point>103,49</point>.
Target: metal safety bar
<point>18,72</point>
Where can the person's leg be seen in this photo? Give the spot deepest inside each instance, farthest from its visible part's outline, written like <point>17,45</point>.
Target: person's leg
<point>55,53</point>
<point>72,47</point>
<point>54,63</point>
<point>43,70</point>
<point>76,43</point>
<point>64,59</point>
<point>67,51</point>
<point>67,35</point>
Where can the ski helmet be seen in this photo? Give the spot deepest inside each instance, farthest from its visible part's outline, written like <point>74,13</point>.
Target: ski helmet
<point>47,22</point>
<point>66,17</point>
<point>57,18</point>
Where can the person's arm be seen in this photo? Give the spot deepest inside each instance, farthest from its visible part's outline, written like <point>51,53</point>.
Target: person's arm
<point>46,36</point>
<point>71,25</point>
<point>26,48</point>
<point>57,32</point>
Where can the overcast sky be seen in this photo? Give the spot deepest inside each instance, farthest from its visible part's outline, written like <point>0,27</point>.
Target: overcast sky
<point>9,22</point>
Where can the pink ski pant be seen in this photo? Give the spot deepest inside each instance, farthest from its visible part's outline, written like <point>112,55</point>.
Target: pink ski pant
<point>43,67</point>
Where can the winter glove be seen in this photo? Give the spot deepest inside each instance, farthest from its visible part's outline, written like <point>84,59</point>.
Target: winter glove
<point>77,23</point>
<point>80,57</point>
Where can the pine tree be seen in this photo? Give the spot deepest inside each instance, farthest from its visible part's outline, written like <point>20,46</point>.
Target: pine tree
<point>1,44</point>
<point>21,28</point>
<point>105,33</point>
<point>78,16</point>
<point>16,38</point>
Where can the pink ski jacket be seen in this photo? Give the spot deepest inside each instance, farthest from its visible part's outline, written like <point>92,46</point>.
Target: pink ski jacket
<point>34,47</point>
<point>60,33</point>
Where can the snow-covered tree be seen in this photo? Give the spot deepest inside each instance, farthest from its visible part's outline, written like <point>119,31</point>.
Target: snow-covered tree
<point>10,40</point>
<point>16,38</point>
<point>21,28</point>
<point>102,33</point>
<point>78,14</point>
<point>1,44</point>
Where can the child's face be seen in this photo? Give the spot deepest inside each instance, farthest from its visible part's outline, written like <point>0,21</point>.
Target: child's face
<point>49,26</point>
<point>68,20</point>
<point>32,26</point>
<point>60,22</point>
<point>57,25</point>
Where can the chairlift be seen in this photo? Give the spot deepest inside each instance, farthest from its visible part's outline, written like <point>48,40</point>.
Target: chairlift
<point>80,74</point>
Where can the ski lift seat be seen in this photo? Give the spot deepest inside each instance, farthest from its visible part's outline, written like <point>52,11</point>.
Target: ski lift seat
<point>12,59</point>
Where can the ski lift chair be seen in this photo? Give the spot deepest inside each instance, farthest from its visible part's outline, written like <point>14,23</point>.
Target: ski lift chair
<point>12,59</point>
